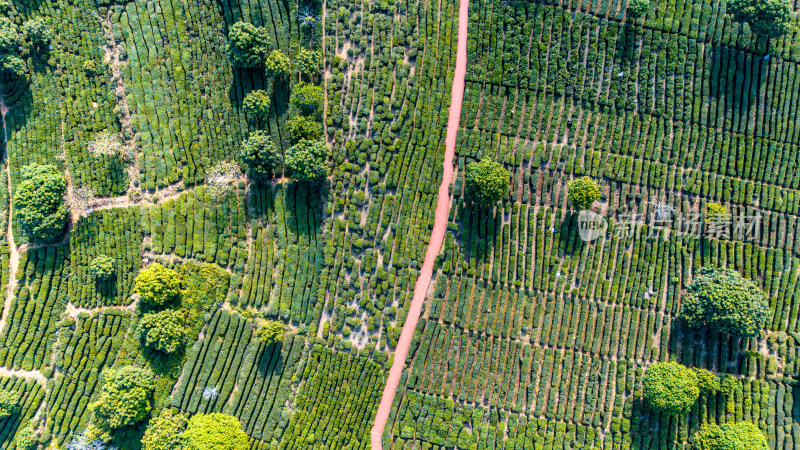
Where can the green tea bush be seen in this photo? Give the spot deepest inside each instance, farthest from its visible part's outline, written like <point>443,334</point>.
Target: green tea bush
<point>165,431</point>
<point>582,192</point>
<point>163,331</point>
<point>248,45</point>
<point>707,381</point>
<point>260,155</point>
<point>215,431</point>
<point>125,398</point>
<point>731,436</point>
<point>670,387</point>
<point>308,161</point>
<point>102,268</point>
<point>256,104</point>
<point>303,127</point>
<point>39,202</point>
<point>157,285</point>
<point>486,181</point>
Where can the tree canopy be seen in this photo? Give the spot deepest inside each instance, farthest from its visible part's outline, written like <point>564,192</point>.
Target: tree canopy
<point>9,403</point>
<point>36,32</point>
<point>270,331</point>
<point>260,155</point>
<point>637,8</point>
<point>165,431</point>
<point>768,18</point>
<point>278,64</point>
<point>215,431</point>
<point>307,97</point>
<point>125,398</point>
<point>309,62</point>
<point>486,181</point>
<point>731,436</point>
<point>256,104</point>
<point>39,202</point>
<point>582,192</point>
<point>303,127</point>
<point>157,285</point>
<point>724,301</point>
<point>163,331</point>
<point>308,161</point>
<point>248,45</point>
<point>102,267</point>
<point>670,387</point>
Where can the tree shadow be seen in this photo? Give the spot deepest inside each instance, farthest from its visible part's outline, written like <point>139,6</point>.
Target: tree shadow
<point>270,358</point>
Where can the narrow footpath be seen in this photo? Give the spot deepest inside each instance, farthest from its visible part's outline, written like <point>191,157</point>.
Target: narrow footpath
<point>437,237</point>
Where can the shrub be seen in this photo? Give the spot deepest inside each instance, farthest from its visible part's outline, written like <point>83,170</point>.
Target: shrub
<point>256,104</point>
<point>165,432</point>
<point>163,331</point>
<point>670,388</point>
<point>102,267</point>
<point>278,64</point>
<point>724,301</point>
<point>727,385</point>
<point>248,45</point>
<point>270,331</point>
<point>307,97</point>
<point>304,127</point>
<point>730,436</point>
<point>215,431</point>
<point>707,381</point>
<point>125,398</point>
<point>768,18</point>
<point>157,285</point>
<point>582,192</point>
<point>28,438</point>
<point>308,161</point>
<point>309,62</point>
<point>37,32</point>
<point>10,39</point>
<point>260,154</point>
<point>39,202</point>
<point>637,8</point>
<point>486,181</point>
<point>9,403</point>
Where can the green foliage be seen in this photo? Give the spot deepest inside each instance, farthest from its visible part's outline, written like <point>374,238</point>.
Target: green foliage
<point>768,18</point>
<point>278,64</point>
<point>39,202</point>
<point>165,432</point>
<point>304,127</point>
<point>125,398</point>
<point>260,155</point>
<point>724,301</point>
<point>157,285</point>
<point>10,39</point>
<point>730,436</point>
<point>36,32</point>
<point>308,161</point>
<point>12,66</point>
<point>670,388</point>
<point>309,62</point>
<point>102,267</point>
<point>307,97</point>
<point>9,403</point>
<point>486,181</point>
<point>256,104</point>
<point>582,192</point>
<point>270,331</point>
<point>707,381</point>
<point>215,431</point>
<point>28,438</point>
<point>727,385</point>
<point>248,45</point>
<point>637,8</point>
<point>163,331</point>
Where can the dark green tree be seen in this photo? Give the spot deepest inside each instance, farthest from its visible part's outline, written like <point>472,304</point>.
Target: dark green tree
<point>10,39</point>
<point>157,285</point>
<point>730,436</point>
<point>215,431</point>
<point>165,431</point>
<point>9,403</point>
<point>37,33</point>
<point>307,97</point>
<point>768,18</point>
<point>125,398</point>
<point>256,104</point>
<point>582,192</point>
<point>308,161</point>
<point>309,63</point>
<point>637,8</point>
<point>12,66</point>
<point>102,268</point>
<point>724,301</point>
<point>248,45</point>
<point>670,387</point>
<point>163,331</point>
<point>278,64</point>
<point>486,182</point>
<point>304,127</point>
<point>39,202</point>
<point>260,155</point>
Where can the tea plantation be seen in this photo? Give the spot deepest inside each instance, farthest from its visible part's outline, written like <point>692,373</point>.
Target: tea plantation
<point>215,216</point>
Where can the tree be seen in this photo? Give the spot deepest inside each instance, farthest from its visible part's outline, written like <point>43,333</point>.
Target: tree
<point>125,398</point>
<point>768,18</point>
<point>36,32</point>
<point>256,104</point>
<point>215,431</point>
<point>637,8</point>
<point>309,62</point>
<point>582,192</point>
<point>27,438</point>
<point>10,39</point>
<point>12,66</point>
<point>724,301</point>
<point>304,127</point>
<point>157,285</point>
<point>486,181</point>
<point>307,97</point>
<point>248,45</point>
<point>730,436</point>
<point>165,432</point>
<point>102,268</point>
<point>308,161</point>
<point>707,381</point>
<point>39,202</point>
<point>260,155</point>
<point>9,403</point>
<point>270,331</point>
<point>670,388</point>
<point>278,64</point>
<point>163,331</point>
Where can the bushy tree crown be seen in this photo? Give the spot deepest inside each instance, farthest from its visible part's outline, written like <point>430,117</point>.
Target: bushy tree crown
<point>39,202</point>
<point>165,432</point>
<point>102,267</point>
<point>304,127</point>
<point>270,331</point>
<point>582,192</point>
<point>9,403</point>
<point>637,8</point>
<point>260,155</point>
<point>157,285</point>
<point>248,45</point>
<point>486,181</point>
<point>278,64</point>
<point>163,331</point>
<point>256,104</point>
<point>670,387</point>
<point>307,97</point>
<point>731,436</point>
<point>308,161</point>
<point>768,18</point>
<point>125,398</point>
<point>215,431</point>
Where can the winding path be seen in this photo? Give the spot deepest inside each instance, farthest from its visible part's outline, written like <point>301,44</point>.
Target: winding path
<point>437,236</point>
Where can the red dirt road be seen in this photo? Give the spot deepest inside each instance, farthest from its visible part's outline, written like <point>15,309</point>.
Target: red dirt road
<point>437,237</point>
